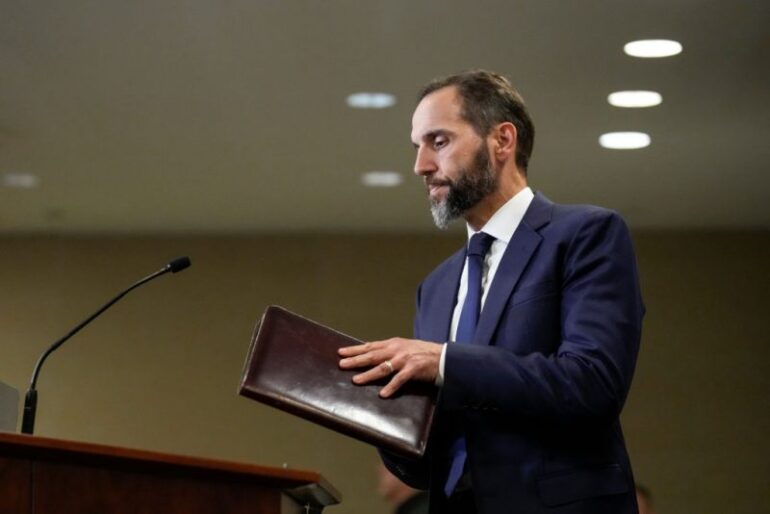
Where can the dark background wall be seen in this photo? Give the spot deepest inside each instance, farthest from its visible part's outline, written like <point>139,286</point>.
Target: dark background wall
<point>160,370</point>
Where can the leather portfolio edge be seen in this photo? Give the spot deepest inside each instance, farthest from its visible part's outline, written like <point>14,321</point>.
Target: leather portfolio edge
<point>321,417</point>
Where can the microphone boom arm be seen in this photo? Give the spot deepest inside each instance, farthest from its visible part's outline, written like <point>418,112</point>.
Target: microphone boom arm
<point>30,400</point>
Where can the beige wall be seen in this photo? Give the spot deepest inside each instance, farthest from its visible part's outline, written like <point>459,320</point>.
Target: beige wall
<point>160,370</point>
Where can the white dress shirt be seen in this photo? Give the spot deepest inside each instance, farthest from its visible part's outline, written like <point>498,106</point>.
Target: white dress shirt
<point>501,226</point>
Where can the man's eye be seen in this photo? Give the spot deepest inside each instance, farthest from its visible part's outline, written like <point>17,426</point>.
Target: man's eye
<point>438,143</point>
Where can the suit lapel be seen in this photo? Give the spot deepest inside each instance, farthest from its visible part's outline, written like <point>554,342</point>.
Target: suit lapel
<point>521,247</point>
<point>442,305</point>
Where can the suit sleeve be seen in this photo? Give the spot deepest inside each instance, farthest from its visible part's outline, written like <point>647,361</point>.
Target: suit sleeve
<point>589,373</point>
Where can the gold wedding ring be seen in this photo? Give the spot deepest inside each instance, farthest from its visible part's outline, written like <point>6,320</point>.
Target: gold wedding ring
<point>389,365</point>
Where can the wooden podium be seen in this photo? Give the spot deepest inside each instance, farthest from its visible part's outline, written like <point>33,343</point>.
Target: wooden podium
<point>46,476</point>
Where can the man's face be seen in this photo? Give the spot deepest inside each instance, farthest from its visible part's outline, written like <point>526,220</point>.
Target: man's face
<point>451,157</point>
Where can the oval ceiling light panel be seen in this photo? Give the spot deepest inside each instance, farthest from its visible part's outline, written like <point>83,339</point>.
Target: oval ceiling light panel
<point>20,180</point>
<point>652,48</point>
<point>633,99</point>
<point>366,100</point>
<point>624,140</point>
<point>381,178</point>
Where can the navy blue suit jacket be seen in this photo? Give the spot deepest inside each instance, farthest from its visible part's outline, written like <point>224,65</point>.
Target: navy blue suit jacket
<point>538,393</point>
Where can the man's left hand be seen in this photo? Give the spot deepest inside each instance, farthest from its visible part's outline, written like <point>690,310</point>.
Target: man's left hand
<point>405,359</point>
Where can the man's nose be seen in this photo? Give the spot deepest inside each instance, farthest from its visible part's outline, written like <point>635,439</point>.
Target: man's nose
<point>424,164</point>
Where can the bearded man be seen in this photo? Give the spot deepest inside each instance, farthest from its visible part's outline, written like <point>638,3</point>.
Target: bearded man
<point>530,332</point>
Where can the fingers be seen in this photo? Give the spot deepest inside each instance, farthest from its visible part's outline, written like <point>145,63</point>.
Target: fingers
<point>363,355</point>
<point>399,379</point>
<point>380,356</point>
<point>382,370</point>
<point>421,366</point>
<point>350,351</point>
<point>401,359</point>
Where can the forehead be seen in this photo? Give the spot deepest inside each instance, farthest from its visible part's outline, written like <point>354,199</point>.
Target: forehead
<point>440,110</point>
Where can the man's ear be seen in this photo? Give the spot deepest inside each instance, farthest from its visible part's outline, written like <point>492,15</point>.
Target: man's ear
<point>504,143</point>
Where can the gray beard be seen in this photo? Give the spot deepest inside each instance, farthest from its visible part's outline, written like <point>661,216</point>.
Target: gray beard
<point>473,185</point>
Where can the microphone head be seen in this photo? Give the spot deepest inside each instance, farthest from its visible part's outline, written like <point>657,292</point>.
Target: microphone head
<point>178,264</point>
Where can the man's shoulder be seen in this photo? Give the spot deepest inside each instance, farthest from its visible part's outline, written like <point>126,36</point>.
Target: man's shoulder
<point>573,216</point>
<point>568,210</point>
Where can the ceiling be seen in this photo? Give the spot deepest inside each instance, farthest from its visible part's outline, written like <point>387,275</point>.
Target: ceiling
<point>229,116</point>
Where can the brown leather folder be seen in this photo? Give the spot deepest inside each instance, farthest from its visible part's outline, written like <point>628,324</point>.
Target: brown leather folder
<point>293,365</point>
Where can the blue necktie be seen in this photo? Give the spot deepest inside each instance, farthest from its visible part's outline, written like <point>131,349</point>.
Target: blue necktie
<point>466,329</point>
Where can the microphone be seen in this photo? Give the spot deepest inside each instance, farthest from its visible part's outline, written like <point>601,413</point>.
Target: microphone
<point>30,400</point>
<point>175,266</point>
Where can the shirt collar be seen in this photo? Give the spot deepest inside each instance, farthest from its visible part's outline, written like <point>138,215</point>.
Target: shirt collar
<point>504,222</point>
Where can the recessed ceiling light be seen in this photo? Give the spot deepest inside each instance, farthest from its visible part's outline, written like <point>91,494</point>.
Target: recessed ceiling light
<point>647,48</point>
<point>381,178</point>
<point>366,100</point>
<point>624,140</point>
<point>634,98</point>
<point>20,180</point>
